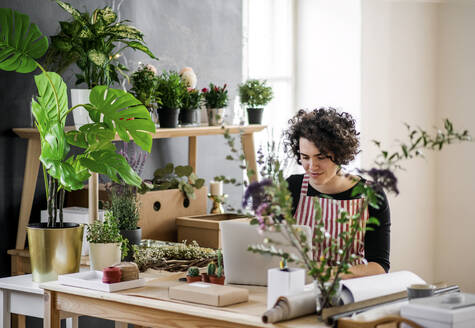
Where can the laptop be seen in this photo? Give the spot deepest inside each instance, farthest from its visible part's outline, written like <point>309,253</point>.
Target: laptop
<point>244,267</point>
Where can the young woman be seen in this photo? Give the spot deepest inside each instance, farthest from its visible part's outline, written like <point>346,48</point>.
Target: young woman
<point>322,141</point>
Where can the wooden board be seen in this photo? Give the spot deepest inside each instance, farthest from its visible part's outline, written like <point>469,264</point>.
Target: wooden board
<point>159,209</point>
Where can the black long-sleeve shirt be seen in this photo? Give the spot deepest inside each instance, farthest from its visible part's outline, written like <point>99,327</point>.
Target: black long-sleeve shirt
<point>377,241</point>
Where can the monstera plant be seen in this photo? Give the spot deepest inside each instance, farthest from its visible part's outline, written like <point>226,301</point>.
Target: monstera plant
<point>112,111</point>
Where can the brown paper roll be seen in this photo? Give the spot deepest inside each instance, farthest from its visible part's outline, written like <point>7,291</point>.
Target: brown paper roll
<point>292,306</point>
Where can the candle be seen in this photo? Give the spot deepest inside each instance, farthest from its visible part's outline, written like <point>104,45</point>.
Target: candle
<point>216,188</point>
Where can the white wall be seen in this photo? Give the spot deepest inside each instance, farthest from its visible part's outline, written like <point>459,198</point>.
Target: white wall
<point>418,67</point>
<point>398,85</point>
<point>454,238</point>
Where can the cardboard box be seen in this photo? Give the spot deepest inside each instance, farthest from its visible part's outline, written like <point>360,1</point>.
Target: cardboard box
<point>209,294</point>
<point>76,215</point>
<point>204,228</point>
<point>159,209</point>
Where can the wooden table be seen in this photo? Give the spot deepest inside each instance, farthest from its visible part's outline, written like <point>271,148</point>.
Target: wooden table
<point>149,312</point>
<point>33,163</point>
<point>22,296</point>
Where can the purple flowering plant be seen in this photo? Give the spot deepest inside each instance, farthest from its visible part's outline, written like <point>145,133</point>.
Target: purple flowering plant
<point>271,204</point>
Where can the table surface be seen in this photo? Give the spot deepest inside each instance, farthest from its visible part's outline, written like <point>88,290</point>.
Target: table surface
<point>23,283</point>
<point>175,307</point>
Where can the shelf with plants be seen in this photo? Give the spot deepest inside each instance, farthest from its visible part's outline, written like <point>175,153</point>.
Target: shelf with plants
<point>32,163</point>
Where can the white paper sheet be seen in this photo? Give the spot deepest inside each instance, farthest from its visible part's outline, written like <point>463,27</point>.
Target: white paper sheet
<point>360,289</point>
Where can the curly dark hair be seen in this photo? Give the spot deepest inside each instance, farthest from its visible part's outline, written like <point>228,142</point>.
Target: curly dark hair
<point>331,132</point>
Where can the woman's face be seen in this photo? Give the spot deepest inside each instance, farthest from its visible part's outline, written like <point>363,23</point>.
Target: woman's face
<point>320,168</point>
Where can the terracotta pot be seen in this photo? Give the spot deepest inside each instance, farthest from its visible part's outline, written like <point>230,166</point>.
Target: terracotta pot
<point>216,280</point>
<point>204,277</point>
<point>193,278</point>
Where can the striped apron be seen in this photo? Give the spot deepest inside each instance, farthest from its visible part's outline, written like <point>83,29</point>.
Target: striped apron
<point>304,215</point>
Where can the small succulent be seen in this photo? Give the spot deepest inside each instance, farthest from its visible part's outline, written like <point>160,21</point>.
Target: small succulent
<point>171,177</point>
<point>219,272</point>
<point>211,269</point>
<point>193,271</point>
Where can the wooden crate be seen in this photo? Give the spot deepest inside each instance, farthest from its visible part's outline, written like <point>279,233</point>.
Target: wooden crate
<point>204,228</point>
<point>159,209</point>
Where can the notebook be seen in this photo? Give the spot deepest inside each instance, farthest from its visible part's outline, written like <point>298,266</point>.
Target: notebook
<point>244,267</point>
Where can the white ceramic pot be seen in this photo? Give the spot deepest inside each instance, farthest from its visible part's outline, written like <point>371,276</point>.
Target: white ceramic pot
<point>215,116</point>
<point>80,115</point>
<point>104,255</point>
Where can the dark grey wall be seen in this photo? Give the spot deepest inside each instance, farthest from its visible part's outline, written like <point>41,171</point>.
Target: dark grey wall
<point>203,34</point>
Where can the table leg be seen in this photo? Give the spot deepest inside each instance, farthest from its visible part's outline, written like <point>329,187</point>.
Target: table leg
<point>72,322</point>
<point>121,324</point>
<point>192,152</point>
<point>249,153</point>
<point>93,197</point>
<point>30,176</point>
<point>51,314</point>
<point>4,308</point>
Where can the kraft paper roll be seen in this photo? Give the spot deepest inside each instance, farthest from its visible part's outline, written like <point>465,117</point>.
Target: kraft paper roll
<point>290,307</point>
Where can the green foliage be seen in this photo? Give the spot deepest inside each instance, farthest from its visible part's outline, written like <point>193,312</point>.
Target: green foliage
<point>106,232</point>
<point>21,42</point>
<point>144,83</point>
<point>211,269</point>
<point>215,96</point>
<point>179,177</point>
<point>123,206</point>
<point>113,111</point>
<point>94,43</point>
<point>170,89</point>
<point>193,271</point>
<point>419,141</point>
<point>191,99</point>
<point>219,271</point>
<point>255,93</point>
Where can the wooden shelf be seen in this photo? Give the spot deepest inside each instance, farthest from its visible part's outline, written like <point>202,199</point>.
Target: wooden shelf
<point>33,163</point>
<point>29,133</point>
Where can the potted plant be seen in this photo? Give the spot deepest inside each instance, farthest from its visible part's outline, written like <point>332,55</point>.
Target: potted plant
<point>127,118</point>
<point>189,111</point>
<point>193,274</point>
<point>255,94</point>
<point>173,192</point>
<point>94,42</point>
<point>218,278</point>
<point>179,177</point>
<point>106,244</point>
<point>169,92</point>
<point>124,204</point>
<point>210,271</point>
<point>144,83</point>
<point>216,99</point>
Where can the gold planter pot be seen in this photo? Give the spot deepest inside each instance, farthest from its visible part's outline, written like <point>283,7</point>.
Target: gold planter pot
<point>54,251</point>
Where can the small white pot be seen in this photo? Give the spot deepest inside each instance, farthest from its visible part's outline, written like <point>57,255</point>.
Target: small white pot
<point>104,255</point>
<point>80,114</point>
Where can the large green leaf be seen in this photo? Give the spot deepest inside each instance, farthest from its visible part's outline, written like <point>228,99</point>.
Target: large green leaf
<point>129,116</point>
<point>140,46</point>
<point>94,137</point>
<point>54,150</point>
<point>21,43</point>
<point>112,164</point>
<point>52,92</point>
